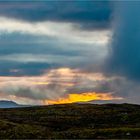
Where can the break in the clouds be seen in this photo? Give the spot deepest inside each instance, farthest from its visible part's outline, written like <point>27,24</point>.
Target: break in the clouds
<point>65,51</point>
<point>55,84</point>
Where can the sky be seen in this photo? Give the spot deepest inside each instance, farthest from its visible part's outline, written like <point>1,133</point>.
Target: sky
<point>54,51</point>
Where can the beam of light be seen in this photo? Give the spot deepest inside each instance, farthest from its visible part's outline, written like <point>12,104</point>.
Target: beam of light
<point>83,97</point>
<point>54,84</point>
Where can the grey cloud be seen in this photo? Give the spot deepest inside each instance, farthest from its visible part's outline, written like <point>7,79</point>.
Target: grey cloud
<point>124,55</point>
<point>82,12</point>
<point>32,54</point>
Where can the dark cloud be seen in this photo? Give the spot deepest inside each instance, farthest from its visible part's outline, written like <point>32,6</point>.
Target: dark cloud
<point>124,56</point>
<point>32,68</point>
<point>118,86</point>
<point>23,43</point>
<point>21,49</point>
<point>32,54</point>
<point>90,14</point>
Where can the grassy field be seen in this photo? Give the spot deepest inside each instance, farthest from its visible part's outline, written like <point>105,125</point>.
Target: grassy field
<point>71,121</point>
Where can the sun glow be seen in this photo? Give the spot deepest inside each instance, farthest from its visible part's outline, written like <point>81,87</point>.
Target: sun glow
<point>83,97</point>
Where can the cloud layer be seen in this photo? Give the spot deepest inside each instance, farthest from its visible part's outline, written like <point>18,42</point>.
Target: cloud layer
<point>52,85</point>
<point>89,14</point>
<point>50,50</point>
<point>34,47</point>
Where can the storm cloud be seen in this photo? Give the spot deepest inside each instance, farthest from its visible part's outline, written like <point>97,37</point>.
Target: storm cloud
<point>124,56</point>
<point>89,14</point>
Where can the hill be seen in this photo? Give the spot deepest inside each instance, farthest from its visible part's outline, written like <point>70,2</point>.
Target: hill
<point>71,121</point>
<point>11,104</point>
<point>8,104</point>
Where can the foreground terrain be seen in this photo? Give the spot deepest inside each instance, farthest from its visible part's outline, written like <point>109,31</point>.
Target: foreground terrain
<point>71,121</point>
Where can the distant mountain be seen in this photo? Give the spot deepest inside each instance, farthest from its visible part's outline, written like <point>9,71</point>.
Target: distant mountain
<point>8,104</point>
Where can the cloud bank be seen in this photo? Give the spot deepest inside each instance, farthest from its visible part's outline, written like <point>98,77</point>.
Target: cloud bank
<point>54,84</point>
<point>124,56</point>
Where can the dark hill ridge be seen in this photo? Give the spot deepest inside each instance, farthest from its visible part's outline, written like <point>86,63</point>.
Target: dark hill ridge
<point>71,121</point>
<point>10,104</point>
<point>7,104</point>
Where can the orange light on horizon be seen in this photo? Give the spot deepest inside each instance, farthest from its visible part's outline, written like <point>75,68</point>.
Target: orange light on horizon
<point>83,97</point>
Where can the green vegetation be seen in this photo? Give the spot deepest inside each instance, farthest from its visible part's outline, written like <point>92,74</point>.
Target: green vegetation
<point>71,121</point>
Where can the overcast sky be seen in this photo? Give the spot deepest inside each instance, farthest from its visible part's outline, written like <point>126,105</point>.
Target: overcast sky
<point>51,49</point>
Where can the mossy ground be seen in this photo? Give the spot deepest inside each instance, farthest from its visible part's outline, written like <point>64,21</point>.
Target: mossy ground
<point>71,121</point>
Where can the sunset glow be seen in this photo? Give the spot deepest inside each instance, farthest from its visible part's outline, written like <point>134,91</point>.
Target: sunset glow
<point>83,97</point>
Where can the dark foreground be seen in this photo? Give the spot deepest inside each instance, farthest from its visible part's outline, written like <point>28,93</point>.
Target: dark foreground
<point>71,121</point>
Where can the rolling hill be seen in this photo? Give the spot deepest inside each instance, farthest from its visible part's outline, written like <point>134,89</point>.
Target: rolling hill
<point>71,121</point>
